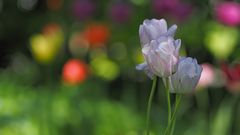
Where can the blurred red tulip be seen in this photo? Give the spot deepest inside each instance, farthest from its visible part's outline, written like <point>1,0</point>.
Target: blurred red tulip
<point>228,13</point>
<point>233,77</point>
<point>97,34</point>
<point>74,72</point>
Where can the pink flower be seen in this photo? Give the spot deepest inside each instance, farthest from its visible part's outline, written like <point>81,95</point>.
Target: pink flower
<point>228,13</point>
<point>207,76</point>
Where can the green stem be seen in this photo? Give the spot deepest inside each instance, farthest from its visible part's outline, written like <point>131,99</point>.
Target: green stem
<point>168,101</point>
<point>178,100</point>
<point>171,127</point>
<point>150,102</point>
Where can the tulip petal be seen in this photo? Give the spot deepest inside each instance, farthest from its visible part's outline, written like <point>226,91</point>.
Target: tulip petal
<point>146,69</point>
<point>171,31</point>
<point>144,37</point>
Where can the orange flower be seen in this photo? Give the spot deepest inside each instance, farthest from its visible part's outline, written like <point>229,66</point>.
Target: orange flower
<point>54,4</point>
<point>74,72</point>
<point>51,28</point>
<point>97,34</point>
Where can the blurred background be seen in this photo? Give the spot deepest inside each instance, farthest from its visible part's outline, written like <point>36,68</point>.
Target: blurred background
<point>67,67</point>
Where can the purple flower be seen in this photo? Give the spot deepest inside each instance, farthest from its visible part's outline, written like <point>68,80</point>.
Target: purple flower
<point>173,8</point>
<point>83,9</point>
<point>120,12</point>
<point>187,76</point>
<point>160,50</point>
<point>228,13</point>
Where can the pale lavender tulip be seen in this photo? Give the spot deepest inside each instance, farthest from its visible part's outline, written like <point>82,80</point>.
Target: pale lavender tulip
<point>160,50</point>
<point>187,76</point>
<point>154,29</point>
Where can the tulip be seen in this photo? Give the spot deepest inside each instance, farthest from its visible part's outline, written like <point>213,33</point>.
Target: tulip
<point>207,77</point>
<point>120,12</point>
<point>154,29</point>
<point>83,9</point>
<point>228,13</point>
<point>174,8</point>
<point>97,34</point>
<point>160,50</point>
<point>232,76</point>
<point>187,76</point>
<point>74,72</point>
<point>221,40</point>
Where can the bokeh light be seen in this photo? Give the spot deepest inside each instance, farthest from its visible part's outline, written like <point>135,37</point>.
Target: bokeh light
<point>228,13</point>
<point>74,72</point>
<point>97,34</point>
<point>221,40</point>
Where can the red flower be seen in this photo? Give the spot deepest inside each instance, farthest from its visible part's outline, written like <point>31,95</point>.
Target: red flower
<point>74,72</point>
<point>233,77</point>
<point>96,34</point>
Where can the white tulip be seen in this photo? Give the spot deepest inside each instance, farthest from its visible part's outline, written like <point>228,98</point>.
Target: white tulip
<point>160,50</point>
<point>187,76</point>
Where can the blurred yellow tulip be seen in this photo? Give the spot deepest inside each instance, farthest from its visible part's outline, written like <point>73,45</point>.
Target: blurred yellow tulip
<point>221,40</point>
<point>44,47</point>
<point>41,49</point>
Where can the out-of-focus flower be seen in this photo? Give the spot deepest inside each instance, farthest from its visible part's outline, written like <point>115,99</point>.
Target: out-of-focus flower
<point>160,50</point>
<point>187,76</point>
<point>221,40</point>
<point>105,68</point>
<point>51,29</point>
<point>120,12</point>
<point>207,76</point>
<point>53,32</point>
<point>74,72</point>
<point>96,34</point>
<point>78,45</point>
<point>45,46</point>
<point>232,75</point>
<point>41,49</point>
<point>174,8</point>
<point>83,9</point>
<point>54,4</point>
<point>26,5</point>
<point>228,13</point>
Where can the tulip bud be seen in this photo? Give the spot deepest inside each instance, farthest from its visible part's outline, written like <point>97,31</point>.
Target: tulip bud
<point>154,29</point>
<point>187,76</point>
<point>160,50</point>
